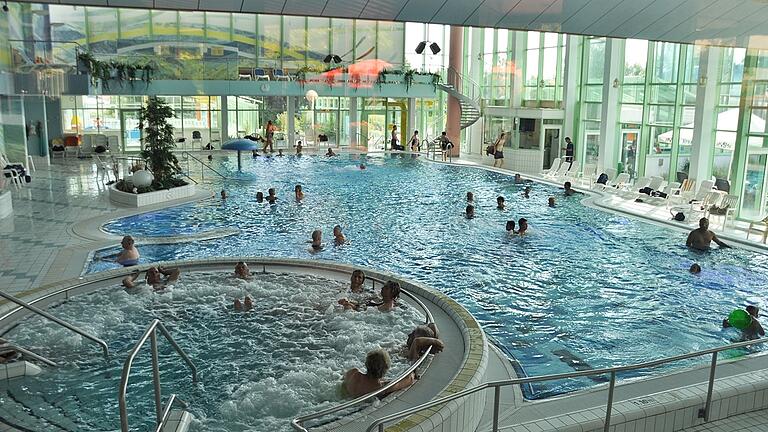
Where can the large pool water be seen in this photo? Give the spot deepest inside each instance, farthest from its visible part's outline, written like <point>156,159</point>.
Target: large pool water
<point>585,288</point>
<point>256,370</point>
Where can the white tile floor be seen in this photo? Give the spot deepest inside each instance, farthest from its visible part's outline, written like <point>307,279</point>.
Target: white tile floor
<point>750,422</point>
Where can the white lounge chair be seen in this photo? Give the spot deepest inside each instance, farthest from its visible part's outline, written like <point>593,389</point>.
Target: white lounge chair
<point>555,165</point>
<point>559,171</point>
<point>12,173</point>
<point>680,194</point>
<point>588,175</point>
<point>667,191</point>
<point>619,184</point>
<point>572,172</point>
<point>86,148</point>
<point>725,208</point>
<point>757,225</point>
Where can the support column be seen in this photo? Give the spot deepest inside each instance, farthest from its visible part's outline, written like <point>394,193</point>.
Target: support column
<point>411,124</point>
<point>705,117</point>
<point>572,61</point>
<point>453,122</point>
<point>354,123</point>
<point>474,133</point>
<point>291,108</point>
<point>225,119</point>
<point>608,156</point>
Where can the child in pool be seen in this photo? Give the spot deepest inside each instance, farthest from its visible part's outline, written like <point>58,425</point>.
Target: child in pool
<point>317,241</point>
<point>754,330</point>
<point>299,193</point>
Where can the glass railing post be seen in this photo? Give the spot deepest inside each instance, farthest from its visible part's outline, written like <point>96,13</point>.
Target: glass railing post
<point>156,377</point>
<point>609,406</point>
<point>710,386</point>
<point>496,397</point>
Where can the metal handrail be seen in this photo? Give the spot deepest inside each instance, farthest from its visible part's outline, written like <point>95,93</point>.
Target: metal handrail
<point>497,385</point>
<point>297,423</point>
<point>167,411</point>
<point>151,334</point>
<point>204,165</point>
<point>58,321</point>
<point>7,346</point>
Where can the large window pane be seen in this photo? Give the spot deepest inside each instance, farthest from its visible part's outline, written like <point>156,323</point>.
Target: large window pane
<point>294,42</point>
<point>269,40</point>
<point>390,45</point>
<point>318,41</point>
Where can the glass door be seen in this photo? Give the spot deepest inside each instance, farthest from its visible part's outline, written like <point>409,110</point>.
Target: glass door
<point>551,146</point>
<point>129,124</point>
<point>753,201</point>
<point>629,151</point>
<point>374,128</point>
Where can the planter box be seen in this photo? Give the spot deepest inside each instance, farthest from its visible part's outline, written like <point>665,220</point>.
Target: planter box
<point>422,79</point>
<point>140,200</point>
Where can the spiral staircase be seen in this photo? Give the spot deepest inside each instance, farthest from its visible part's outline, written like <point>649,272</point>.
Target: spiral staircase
<point>467,92</point>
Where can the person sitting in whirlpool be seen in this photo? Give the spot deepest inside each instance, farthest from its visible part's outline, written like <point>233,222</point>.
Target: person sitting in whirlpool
<point>377,363</point>
<point>154,277</point>
<point>421,338</point>
<point>242,271</point>
<point>129,256</point>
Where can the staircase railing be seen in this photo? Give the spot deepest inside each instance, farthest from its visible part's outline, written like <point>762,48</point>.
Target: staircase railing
<point>187,155</point>
<point>6,347</point>
<point>161,412</point>
<point>379,424</point>
<point>58,321</point>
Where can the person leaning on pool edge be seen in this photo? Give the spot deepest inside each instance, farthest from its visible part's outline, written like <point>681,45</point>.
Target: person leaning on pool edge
<point>701,237</point>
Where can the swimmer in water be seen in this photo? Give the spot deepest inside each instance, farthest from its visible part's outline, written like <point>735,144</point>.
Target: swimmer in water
<point>298,148</point>
<point>754,330</point>
<point>510,227</point>
<point>298,192</point>
<point>470,197</point>
<point>242,271</point>
<point>271,197</point>
<point>259,197</point>
<point>470,212</point>
<point>390,292</point>
<point>568,189</point>
<point>701,237</point>
<point>223,194</point>
<point>129,256</point>
<point>522,226</point>
<point>362,167</point>
<point>338,236</point>
<point>500,203</point>
<point>519,179</point>
<point>153,277</point>
<point>210,157</point>
<point>695,268</point>
<point>280,152</point>
<point>551,201</point>
<point>377,363</point>
<point>356,281</point>
<point>527,192</point>
<point>317,241</point>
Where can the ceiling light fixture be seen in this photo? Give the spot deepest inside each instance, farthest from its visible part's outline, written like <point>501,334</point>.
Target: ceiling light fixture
<point>420,47</point>
<point>434,48</point>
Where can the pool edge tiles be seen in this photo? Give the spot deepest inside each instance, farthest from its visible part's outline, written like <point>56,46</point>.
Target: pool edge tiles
<point>473,355</point>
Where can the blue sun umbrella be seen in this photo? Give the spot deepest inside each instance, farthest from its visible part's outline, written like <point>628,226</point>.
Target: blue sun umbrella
<point>240,145</point>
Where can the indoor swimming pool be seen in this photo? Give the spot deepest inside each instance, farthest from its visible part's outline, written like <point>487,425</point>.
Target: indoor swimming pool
<point>256,369</point>
<point>585,288</point>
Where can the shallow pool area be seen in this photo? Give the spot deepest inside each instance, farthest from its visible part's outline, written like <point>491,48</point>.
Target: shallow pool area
<point>257,369</point>
<point>583,289</point>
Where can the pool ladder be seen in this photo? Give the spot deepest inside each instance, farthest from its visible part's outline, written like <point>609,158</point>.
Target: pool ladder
<point>6,346</point>
<point>162,413</point>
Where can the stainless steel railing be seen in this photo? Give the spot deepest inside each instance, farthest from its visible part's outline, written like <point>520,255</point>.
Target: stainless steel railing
<point>298,422</point>
<point>497,385</point>
<point>161,413</point>
<point>7,347</point>
<point>187,155</point>
<point>58,321</point>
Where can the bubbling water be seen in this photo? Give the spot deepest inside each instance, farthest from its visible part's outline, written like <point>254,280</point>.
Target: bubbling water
<point>257,369</point>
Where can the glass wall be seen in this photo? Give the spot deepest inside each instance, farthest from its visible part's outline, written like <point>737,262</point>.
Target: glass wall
<point>593,62</point>
<point>544,69</point>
